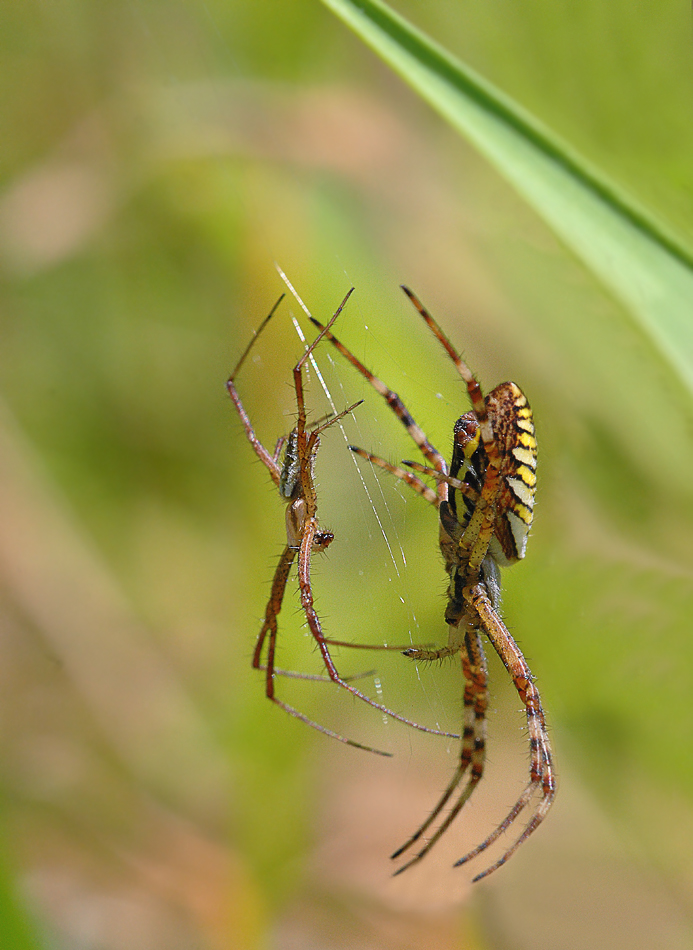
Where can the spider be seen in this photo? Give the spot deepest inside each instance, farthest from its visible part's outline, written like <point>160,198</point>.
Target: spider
<point>485,503</point>
<point>294,478</point>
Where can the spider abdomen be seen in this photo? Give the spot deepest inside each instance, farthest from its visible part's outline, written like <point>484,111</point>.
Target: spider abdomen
<point>513,429</point>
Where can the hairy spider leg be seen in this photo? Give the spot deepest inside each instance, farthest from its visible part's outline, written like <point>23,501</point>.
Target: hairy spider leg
<point>473,543</point>
<point>270,462</point>
<point>429,451</point>
<point>400,410</point>
<point>467,490</point>
<point>542,775</point>
<point>416,483</point>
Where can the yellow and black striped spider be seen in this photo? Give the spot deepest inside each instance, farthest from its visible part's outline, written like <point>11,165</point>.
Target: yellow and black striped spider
<point>485,503</point>
<point>294,478</point>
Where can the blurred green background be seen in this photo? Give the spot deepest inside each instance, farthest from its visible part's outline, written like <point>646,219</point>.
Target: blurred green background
<point>157,160</point>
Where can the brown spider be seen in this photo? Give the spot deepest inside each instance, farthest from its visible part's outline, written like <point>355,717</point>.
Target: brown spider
<point>294,478</point>
<point>495,451</point>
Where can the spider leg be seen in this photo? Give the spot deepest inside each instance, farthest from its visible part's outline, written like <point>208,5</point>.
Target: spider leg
<point>328,732</point>
<point>298,370</point>
<point>455,483</point>
<point>427,655</point>
<point>397,406</point>
<point>371,646</point>
<point>473,387</point>
<point>316,630</point>
<point>274,605</point>
<point>331,421</point>
<point>473,749</point>
<point>306,448</point>
<point>269,630</point>
<point>269,461</point>
<point>472,546</point>
<point>547,783</point>
<point>281,442</point>
<point>478,532</point>
<point>420,487</point>
<point>541,773</point>
<point>317,677</point>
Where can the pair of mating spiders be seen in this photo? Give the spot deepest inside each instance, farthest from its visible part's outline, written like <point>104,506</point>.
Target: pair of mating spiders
<point>485,502</point>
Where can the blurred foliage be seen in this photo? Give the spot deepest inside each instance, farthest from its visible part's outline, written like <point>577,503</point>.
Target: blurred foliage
<point>634,254</point>
<point>157,159</point>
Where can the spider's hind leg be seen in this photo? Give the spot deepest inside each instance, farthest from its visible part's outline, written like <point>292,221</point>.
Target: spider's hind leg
<point>472,752</point>
<point>541,772</point>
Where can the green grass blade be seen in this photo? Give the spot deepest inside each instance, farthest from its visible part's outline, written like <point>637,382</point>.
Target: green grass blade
<point>628,250</point>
